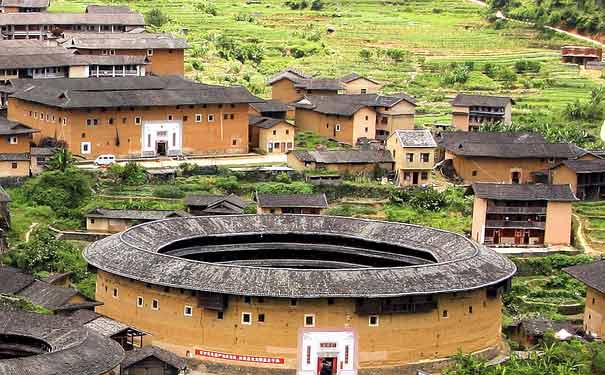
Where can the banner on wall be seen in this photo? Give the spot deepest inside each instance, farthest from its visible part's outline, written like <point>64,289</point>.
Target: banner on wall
<point>239,357</point>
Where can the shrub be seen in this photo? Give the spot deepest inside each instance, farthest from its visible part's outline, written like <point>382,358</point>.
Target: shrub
<point>489,70</point>
<point>61,191</point>
<point>228,184</point>
<point>131,173</point>
<point>396,54</point>
<point>317,5</point>
<point>524,65</point>
<point>456,74</point>
<point>297,4</point>
<point>283,177</point>
<point>548,265</point>
<point>282,188</point>
<point>156,18</point>
<point>44,253</point>
<point>206,7</point>
<point>365,54</point>
<point>168,191</point>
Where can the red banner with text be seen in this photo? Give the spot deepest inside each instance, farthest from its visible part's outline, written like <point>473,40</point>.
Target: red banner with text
<point>239,357</point>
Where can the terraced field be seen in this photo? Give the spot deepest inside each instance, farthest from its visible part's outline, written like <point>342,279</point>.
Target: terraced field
<point>592,215</point>
<point>431,33</point>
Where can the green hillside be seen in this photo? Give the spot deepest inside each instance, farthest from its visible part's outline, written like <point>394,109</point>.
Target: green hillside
<point>416,46</point>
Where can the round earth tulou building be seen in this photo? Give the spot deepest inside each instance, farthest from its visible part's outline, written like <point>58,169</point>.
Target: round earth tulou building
<point>303,294</point>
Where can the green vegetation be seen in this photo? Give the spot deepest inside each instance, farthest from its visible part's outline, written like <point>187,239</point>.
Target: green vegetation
<point>448,210</point>
<point>592,217</point>
<point>586,16</point>
<point>309,141</point>
<point>557,358</point>
<point>44,254</point>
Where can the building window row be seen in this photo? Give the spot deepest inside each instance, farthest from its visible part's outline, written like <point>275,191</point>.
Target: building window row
<point>425,157</point>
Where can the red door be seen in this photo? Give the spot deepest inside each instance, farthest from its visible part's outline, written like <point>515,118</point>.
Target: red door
<point>519,237</point>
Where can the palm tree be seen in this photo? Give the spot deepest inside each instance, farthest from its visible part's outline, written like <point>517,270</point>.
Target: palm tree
<point>62,160</point>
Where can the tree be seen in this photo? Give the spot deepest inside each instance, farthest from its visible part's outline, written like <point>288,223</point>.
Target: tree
<point>156,17</point>
<point>365,54</point>
<point>61,160</point>
<point>44,253</point>
<point>60,190</point>
<point>131,173</point>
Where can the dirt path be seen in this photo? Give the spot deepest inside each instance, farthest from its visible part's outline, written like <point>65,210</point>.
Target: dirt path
<point>30,230</point>
<point>501,15</point>
<point>581,239</point>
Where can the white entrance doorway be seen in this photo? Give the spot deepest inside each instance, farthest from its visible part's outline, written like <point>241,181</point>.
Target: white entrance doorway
<point>159,138</point>
<point>327,353</point>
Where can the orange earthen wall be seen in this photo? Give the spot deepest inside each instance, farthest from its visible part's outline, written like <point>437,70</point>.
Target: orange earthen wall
<point>594,312</point>
<point>496,170</point>
<point>163,61</point>
<point>399,338</point>
<point>198,138</point>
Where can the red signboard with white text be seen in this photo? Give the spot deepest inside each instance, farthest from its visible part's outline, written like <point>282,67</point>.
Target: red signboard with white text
<point>239,357</point>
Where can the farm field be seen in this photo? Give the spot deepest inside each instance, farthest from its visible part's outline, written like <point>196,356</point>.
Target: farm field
<point>592,215</point>
<point>428,37</point>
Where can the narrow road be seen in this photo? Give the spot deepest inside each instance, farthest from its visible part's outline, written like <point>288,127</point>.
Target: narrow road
<point>241,160</point>
<point>580,237</point>
<point>501,15</point>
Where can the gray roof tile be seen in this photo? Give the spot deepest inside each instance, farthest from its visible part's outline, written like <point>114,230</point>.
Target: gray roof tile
<point>524,192</point>
<point>134,214</point>
<point>345,156</point>
<point>461,264</point>
<point>415,138</point>
<point>585,166</point>
<point>43,18</point>
<point>75,349</point>
<point>291,200</point>
<point>125,92</point>
<point>137,355</point>
<point>468,100</point>
<point>592,274</point>
<point>142,41</point>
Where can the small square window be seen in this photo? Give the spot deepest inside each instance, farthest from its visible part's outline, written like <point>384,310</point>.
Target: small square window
<point>309,320</point>
<point>220,315</point>
<point>247,299</point>
<point>330,301</point>
<point>210,118</point>
<point>14,165</point>
<point>444,314</point>
<point>234,142</point>
<point>115,292</point>
<point>287,131</point>
<point>367,118</point>
<point>13,140</point>
<point>85,147</point>
<point>231,116</point>
<point>149,52</point>
<point>155,304</point>
<point>226,116</point>
<point>185,118</point>
<point>293,302</point>
<point>470,309</point>
<point>64,122</point>
<point>188,311</point>
<point>474,173</point>
<point>260,300</point>
<point>337,127</point>
<point>261,318</point>
<point>124,120</point>
<point>169,117</point>
<point>424,175</point>
<point>366,129</point>
<point>138,120</point>
<point>373,321</point>
<point>110,121</point>
<point>246,318</point>
<point>409,157</point>
<point>198,117</point>
<point>140,301</point>
<point>274,132</point>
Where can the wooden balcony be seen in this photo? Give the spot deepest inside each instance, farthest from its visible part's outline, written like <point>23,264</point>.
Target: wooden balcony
<point>500,224</point>
<point>495,209</point>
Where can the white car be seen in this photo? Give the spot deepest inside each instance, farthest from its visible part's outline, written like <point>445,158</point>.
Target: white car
<point>105,160</point>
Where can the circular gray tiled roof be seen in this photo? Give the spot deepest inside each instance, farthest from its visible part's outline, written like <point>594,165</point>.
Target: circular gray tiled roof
<point>460,264</point>
<point>74,350</point>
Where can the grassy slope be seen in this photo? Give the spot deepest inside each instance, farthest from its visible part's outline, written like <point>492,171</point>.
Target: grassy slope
<point>434,31</point>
